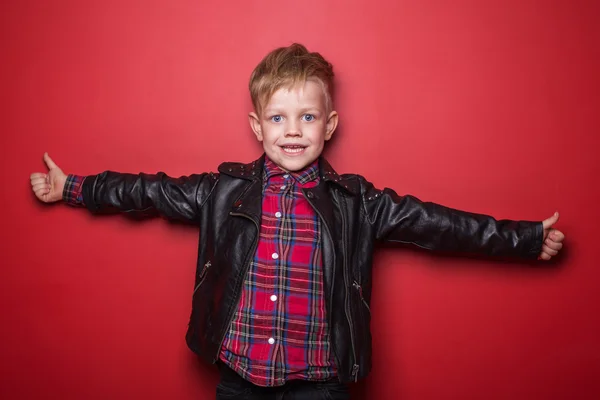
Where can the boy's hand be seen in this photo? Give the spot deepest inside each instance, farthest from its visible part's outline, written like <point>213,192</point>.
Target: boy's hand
<point>49,187</point>
<point>552,239</point>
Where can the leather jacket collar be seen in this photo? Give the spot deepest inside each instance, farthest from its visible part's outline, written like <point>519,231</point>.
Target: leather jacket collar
<point>253,171</point>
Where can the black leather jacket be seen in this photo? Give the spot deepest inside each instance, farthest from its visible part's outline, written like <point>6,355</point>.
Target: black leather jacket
<point>355,215</point>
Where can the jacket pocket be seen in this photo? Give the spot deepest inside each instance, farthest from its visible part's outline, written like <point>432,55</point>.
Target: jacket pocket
<point>202,276</point>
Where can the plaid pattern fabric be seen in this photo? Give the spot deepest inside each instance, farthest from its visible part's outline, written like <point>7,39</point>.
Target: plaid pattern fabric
<point>279,331</point>
<point>72,193</point>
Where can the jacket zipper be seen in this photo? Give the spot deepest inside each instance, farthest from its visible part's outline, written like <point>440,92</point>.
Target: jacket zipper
<point>251,254</point>
<point>202,276</point>
<point>355,366</point>
<point>360,293</point>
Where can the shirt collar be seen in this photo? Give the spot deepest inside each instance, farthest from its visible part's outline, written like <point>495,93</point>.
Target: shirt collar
<point>308,174</point>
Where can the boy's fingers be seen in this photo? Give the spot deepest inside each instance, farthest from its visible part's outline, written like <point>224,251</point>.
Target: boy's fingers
<point>36,175</point>
<point>552,244</point>
<point>549,251</point>
<point>41,192</point>
<point>49,162</point>
<point>544,256</point>
<point>547,223</point>
<point>557,235</point>
<point>38,180</point>
<point>40,186</point>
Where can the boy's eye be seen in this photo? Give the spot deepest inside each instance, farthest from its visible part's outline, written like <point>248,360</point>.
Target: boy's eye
<point>276,118</point>
<point>308,117</point>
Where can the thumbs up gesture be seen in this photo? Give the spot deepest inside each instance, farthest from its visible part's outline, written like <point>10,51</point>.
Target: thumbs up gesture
<point>552,238</point>
<point>48,187</point>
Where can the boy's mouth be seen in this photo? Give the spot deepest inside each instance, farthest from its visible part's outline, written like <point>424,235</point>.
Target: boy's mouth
<point>293,149</point>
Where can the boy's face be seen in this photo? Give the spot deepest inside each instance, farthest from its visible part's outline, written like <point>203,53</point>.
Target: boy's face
<point>294,125</point>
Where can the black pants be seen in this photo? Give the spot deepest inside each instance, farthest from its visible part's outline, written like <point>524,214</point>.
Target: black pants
<point>233,386</point>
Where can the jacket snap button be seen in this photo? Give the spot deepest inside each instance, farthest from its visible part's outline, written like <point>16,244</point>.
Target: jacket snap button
<point>237,204</point>
<point>310,195</point>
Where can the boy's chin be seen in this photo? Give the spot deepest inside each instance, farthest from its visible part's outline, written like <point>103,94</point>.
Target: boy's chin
<point>293,165</point>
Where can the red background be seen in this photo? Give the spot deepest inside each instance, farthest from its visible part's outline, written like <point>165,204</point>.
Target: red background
<point>487,106</point>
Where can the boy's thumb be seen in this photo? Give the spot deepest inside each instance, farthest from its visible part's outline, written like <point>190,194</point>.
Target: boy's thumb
<point>49,163</point>
<point>550,221</point>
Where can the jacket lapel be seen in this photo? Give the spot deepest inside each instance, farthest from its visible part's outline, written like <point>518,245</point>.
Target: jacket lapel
<point>321,201</point>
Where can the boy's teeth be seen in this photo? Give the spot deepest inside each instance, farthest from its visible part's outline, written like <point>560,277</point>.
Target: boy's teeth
<point>295,149</point>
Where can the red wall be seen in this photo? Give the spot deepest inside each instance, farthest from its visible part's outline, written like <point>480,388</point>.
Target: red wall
<point>488,106</point>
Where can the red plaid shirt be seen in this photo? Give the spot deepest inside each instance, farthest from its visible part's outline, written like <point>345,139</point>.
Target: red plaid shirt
<point>72,192</point>
<point>279,331</point>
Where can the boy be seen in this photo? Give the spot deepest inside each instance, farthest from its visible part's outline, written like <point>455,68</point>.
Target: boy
<point>283,284</point>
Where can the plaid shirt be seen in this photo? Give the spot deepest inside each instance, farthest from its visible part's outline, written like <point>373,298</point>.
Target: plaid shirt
<point>279,331</point>
<point>72,192</point>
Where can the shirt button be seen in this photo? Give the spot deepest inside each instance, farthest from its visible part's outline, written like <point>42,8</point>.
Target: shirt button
<point>286,176</point>
<point>271,340</point>
<point>282,187</point>
<point>273,297</point>
<point>278,214</point>
<point>275,256</point>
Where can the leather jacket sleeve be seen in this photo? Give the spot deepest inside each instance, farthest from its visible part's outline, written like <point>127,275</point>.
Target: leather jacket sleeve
<point>407,219</point>
<point>145,194</point>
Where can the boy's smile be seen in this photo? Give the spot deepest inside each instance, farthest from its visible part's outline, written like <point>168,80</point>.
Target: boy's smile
<point>294,125</point>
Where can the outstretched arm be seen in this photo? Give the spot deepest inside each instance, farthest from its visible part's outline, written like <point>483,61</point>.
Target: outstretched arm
<point>175,198</point>
<point>432,226</point>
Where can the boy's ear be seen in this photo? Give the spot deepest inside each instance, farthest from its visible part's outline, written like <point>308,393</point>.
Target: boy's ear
<point>255,125</point>
<point>332,122</point>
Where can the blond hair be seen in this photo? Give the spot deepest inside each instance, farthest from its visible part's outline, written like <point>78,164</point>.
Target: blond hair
<point>288,67</point>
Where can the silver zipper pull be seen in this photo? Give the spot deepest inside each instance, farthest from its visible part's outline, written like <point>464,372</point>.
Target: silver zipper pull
<point>208,264</point>
<point>355,368</point>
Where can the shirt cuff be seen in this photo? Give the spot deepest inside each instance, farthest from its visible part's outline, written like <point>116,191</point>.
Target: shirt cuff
<point>72,193</point>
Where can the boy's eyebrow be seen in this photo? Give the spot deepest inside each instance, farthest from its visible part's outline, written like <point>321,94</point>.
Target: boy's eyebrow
<point>280,109</point>
<point>312,108</point>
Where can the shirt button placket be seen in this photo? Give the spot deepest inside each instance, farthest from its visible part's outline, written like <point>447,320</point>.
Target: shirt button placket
<point>275,256</point>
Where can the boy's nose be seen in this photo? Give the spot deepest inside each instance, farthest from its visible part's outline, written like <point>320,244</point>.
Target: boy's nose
<point>293,133</point>
<point>293,130</point>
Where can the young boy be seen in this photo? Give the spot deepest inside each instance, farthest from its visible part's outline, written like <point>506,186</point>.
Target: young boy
<point>283,284</point>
